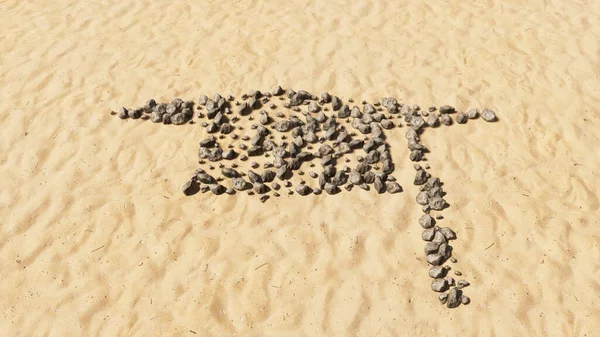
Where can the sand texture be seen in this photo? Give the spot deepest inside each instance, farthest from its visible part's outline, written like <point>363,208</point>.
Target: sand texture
<point>96,238</point>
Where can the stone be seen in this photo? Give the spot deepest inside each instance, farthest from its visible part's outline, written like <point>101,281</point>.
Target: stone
<point>282,172</point>
<point>239,184</point>
<point>461,118</point>
<point>229,154</point>
<point>379,185</point>
<point>203,100</point>
<point>229,173</point>
<point>465,300</point>
<point>134,113</point>
<point>443,298</point>
<point>313,107</point>
<point>435,259</point>
<point>336,103</point>
<point>437,203</point>
<point>448,233</point>
<point>331,189</point>
<point>230,191</point>
<point>439,285</point>
<point>488,115</point>
<point>432,120</point>
<point>420,177</point>
<point>268,176</point>
<point>278,91</point>
<point>387,124</point>
<point>454,298</point>
<point>393,187</point>
<point>368,108</point>
<point>254,151</point>
<point>417,122</point>
<point>445,119</point>
<point>254,177</point>
<point>422,198</point>
<point>217,189</point>
<point>303,189</point>
<point>431,247</point>
<point>428,234</point>
<point>416,155</point>
<point>473,113</point>
<point>283,125</point>
<point>275,186</point>
<point>369,177</point>
<point>191,187</point>
<point>462,284</point>
<point>450,281</point>
<point>446,109</point>
<point>261,188</point>
<point>437,272</point>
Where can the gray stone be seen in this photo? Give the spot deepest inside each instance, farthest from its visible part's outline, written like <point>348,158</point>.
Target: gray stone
<point>336,103</point>
<point>465,300</point>
<point>303,189</point>
<point>428,234</point>
<point>448,233</point>
<point>422,198</point>
<point>461,118</point>
<point>191,187</point>
<point>446,109</point>
<point>473,113</point>
<point>369,177</point>
<point>283,125</point>
<point>229,172</point>
<point>239,184</point>
<point>261,188</point>
<point>437,272</point>
<point>446,119</point>
<point>393,187</point>
<point>217,189</point>
<point>254,177</point>
<point>331,189</point>
<point>268,176</point>
<point>437,203</point>
<point>450,281</point>
<point>432,120</point>
<point>454,298</point>
<point>439,285</point>
<point>379,185</point>
<point>443,298</point>
<point>431,247</point>
<point>488,115</point>
<point>420,177</point>
<point>462,284</point>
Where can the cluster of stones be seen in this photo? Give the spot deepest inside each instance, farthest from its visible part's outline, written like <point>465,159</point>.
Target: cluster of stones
<point>324,129</point>
<point>316,129</point>
<point>431,197</point>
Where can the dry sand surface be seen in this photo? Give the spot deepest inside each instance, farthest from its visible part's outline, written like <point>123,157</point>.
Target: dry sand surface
<point>96,238</point>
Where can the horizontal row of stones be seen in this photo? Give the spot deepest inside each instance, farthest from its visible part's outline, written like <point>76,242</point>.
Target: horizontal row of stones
<point>437,247</point>
<point>179,112</point>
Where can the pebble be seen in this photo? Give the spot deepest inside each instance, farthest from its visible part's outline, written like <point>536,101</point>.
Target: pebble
<point>191,187</point>
<point>465,300</point>
<point>473,113</point>
<point>303,189</point>
<point>443,298</point>
<point>439,285</point>
<point>488,115</point>
<point>462,284</point>
<point>461,118</point>
<point>437,272</point>
<point>454,298</point>
<point>445,119</point>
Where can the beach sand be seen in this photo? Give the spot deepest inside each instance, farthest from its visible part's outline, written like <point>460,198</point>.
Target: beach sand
<point>96,238</point>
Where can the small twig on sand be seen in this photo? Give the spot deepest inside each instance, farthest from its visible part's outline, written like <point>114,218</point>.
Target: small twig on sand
<point>262,265</point>
<point>98,248</point>
<point>192,331</point>
<point>490,246</point>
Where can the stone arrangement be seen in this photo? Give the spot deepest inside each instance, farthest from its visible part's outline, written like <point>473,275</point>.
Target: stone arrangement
<point>303,129</point>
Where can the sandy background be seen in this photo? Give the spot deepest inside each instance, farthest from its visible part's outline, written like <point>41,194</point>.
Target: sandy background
<point>75,179</point>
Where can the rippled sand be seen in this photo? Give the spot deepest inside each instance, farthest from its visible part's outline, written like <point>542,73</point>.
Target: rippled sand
<point>96,238</point>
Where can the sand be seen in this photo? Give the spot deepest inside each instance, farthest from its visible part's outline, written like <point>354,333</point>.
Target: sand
<point>96,238</point>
